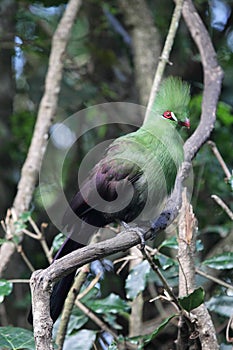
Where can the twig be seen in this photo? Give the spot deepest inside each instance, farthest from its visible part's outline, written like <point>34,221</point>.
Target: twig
<point>18,280</point>
<point>135,319</point>
<point>72,295</point>
<point>101,324</point>
<point>162,278</point>
<point>125,261</point>
<point>47,110</point>
<point>165,55</point>
<point>220,159</point>
<point>89,287</point>
<point>40,236</point>
<point>158,305</point>
<point>214,279</point>
<point>69,303</point>
<point>223,205</point>
<point>29,233</point>
<point>24,257</point>
<point>229,326</point>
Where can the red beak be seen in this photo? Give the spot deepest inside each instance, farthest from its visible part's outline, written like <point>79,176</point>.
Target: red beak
<point>185,123</point>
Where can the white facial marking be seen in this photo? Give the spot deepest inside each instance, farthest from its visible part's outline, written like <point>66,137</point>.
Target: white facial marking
<point>174,117</point>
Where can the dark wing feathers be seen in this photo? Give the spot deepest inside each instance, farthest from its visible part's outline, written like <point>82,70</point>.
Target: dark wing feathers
<point>107,178</point>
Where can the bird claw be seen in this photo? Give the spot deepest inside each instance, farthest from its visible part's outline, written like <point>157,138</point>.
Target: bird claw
<point>139,231</point>
<point>161,223</point>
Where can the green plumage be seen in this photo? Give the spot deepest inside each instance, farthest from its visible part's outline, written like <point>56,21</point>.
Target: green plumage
<point>133,179</point>
<point>156,148</point>
<point>146,161</point>
<point>173,95</point>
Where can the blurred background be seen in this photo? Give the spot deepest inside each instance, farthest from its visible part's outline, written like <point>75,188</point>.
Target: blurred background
<point>100,66</point>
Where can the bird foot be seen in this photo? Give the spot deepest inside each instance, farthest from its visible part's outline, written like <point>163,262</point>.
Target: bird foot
<point>139,231</point>
<point>161,223</point>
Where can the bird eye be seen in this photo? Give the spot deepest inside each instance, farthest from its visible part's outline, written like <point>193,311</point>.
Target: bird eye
<point>169,115</point>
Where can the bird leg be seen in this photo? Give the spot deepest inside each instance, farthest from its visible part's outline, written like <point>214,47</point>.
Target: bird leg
<point>139,231</point>
<point>160,223</point>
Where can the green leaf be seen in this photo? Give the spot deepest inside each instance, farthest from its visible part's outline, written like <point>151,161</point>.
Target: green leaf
<point>16,338</point>
<point>25,216</point>
<point>231,182</point>
<point>220,262</point>
<point>111,320</point>
<point>169,243</point>
<point>171,275</point>
<point>20,224</point>
<point>3,240</point>
<point>221,304</point>
<point>192,300</point>
<point>165,261</point>
<point>83,340</point>
<point>199,245</point>
<point>224,113</point>
<point>149,337</point>
<point>76,322</point>
<point>113,346</point>
<point>58,241</point>
<point>5,289</point>
<point>137,278</point>
<point>113,303</point>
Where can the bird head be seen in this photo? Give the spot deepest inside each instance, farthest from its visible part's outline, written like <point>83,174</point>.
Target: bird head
<point>171,116</point>
<point>172,102</point>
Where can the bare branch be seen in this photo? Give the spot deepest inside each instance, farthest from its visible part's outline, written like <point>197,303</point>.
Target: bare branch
<point>186,255</point>
<point>220,159</point>
<point>102,325</point>
<point>135,320</point>
<point>69,303</point>
<point>24,257</point>
<point>214,279</point>
<point>46,113</point>
<point>223,205</point>
<point>213,76</point>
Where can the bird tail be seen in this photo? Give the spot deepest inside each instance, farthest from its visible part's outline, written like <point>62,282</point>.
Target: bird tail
<point>62,287</point>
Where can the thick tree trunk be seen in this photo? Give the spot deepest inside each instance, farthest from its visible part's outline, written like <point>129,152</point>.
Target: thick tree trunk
<point>146,44</point>
<point>7,91</point>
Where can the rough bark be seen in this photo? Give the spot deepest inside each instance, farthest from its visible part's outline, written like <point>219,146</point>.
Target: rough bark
<point>206,339</point>
<point>145,39</point>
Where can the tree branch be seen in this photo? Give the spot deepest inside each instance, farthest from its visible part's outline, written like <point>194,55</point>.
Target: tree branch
<point>46,113</point>
<point>186,253</point>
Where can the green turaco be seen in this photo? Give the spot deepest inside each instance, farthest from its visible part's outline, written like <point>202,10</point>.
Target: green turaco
<point>132,180</point>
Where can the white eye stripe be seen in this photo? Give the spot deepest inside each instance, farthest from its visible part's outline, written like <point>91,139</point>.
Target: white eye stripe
<point>174,117</point>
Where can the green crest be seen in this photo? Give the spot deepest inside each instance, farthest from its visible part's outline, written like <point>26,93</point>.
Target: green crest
<point>173,95</point>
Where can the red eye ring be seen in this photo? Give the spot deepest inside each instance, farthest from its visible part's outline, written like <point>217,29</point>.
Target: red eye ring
<point>167,115</point>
